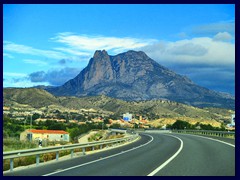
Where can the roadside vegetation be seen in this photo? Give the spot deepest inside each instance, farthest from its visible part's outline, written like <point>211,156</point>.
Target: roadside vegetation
<point>179,124</point>
<point>13,128</point>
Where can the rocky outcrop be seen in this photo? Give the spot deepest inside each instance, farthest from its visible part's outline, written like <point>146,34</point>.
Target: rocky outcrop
<point>134,76</point>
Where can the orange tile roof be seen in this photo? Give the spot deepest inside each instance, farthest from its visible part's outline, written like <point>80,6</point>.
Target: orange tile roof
<point>48,131</point>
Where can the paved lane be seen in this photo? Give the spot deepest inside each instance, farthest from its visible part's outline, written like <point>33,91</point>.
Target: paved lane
<point>201,157</point>
<point>138,158</point>
<point>139,162</point>
<point>194,155</point>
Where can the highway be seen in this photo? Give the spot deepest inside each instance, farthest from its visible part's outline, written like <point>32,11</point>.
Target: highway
<point>153,155</point>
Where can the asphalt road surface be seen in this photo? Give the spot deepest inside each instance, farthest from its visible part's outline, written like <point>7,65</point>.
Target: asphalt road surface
<point>153,155</point>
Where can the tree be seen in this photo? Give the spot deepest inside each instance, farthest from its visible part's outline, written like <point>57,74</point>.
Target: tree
<point>106,121</point>
<point>115,126</point>
<point>181,125</point>
<point>35,116</point>
<point>207,127</point>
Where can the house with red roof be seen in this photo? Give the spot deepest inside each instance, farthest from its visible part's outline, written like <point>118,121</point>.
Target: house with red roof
<point>50,135</point>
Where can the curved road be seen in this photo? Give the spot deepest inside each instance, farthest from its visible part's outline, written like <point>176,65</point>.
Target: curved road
<point>154,154</point>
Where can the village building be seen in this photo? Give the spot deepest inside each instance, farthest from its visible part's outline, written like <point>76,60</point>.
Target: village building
<point>51,135</point>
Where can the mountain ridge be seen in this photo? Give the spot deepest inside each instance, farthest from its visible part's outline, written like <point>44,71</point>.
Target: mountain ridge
<point>133,76</point>
<point>154,109</point>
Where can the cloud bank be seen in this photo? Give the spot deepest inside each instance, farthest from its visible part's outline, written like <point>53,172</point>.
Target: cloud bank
<point>83,43</point>
<point>54,77</point>
<point>209,60</point>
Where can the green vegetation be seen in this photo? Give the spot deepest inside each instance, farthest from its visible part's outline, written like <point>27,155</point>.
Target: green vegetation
<point>11,144</point>
<point>96,137</point>
<point>13,128</point>
<point>179,124</point>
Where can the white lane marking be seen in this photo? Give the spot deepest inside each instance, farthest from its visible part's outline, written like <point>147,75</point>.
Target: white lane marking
<point>211,139</point>
<point>170,159</point>
<point>101,158</point>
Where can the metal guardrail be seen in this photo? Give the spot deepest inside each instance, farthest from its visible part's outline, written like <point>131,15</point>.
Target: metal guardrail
<point>225,134</point>
<point>37,151</point>
<point>124,131</point>
<point>157,131</point>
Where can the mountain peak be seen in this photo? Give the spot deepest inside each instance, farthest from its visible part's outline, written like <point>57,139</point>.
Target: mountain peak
<point>133,75</point>
<point>100,54</point>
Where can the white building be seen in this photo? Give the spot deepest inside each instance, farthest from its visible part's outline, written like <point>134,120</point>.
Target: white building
<point>232,124</point>
<point>51,135</point>
<point>233,120</point>
<point>127,117</point>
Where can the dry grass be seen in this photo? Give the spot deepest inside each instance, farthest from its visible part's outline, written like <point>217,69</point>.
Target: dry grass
<point>165,121</point>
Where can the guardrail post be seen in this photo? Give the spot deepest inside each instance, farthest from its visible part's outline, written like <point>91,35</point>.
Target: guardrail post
<point>93,148</point>
<point>107,144</point>
<point>11,164</point>
<point>83,150</point>
<point>72,150</point>
<point>57,155</point>
<point>37,159</point>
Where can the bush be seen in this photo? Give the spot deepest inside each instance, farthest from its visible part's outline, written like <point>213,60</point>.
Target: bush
<point>11,144</point>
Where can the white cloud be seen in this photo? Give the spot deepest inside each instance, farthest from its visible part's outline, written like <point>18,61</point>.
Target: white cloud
<point>23,49</point>
<point>12,74</point>
<point>24,82</point>
<point>36,62</point>
<point>71,51</point>
<point>84,43</point>
<point>187,48</point>
<point>202,50</point>
<point>8,55</point>
<point>223,36</point>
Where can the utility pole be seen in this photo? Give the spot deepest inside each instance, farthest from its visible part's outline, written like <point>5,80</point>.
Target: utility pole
<point>31,126</point>
<point>24,124</point>
<point>31,123</point>
<point>134,125</point>
<point>102,122</point>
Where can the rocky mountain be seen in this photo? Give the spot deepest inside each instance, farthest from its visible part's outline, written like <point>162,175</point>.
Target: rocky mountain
<point>133,76</point>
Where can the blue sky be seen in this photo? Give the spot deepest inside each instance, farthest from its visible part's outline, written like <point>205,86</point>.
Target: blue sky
<point>50,44</point>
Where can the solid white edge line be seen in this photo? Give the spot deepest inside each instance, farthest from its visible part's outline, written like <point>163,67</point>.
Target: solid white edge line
<point>101,158</point>
<point>211,139</point>
<point>170,159</point>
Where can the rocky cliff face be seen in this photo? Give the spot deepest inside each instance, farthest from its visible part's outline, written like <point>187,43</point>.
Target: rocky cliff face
<point>134,76</point>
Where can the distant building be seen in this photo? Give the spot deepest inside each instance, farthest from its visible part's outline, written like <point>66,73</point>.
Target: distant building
<point>127,117</point>
<point>51,135</point>
<point>232,124</point>
<point>233,120</point>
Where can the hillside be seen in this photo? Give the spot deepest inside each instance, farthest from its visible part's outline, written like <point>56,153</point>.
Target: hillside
<point>152,109</point>
<point>31,96</point>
